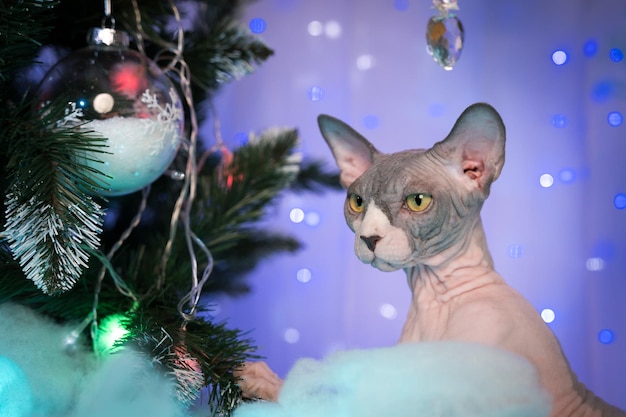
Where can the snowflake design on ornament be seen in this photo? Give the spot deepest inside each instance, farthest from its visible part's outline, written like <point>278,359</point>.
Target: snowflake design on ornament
<point>169,118</point>
<point>73,115</point>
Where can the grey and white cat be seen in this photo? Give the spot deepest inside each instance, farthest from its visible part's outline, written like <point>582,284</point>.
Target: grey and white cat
<point>419,210</point>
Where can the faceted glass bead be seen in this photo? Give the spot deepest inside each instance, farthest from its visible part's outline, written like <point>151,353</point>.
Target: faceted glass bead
<point>445,36</point>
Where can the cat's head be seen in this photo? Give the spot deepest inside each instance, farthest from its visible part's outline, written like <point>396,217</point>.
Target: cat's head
<point>417,206</point>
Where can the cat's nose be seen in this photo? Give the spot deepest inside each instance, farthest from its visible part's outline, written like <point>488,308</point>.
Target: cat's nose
<point>371,241</point>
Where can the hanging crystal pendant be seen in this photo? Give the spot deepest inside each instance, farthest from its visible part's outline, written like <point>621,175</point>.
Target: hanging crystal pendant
<point>445,35</point>
<point>444,6</point>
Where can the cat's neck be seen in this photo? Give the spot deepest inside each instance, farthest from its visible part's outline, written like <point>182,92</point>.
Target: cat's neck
<point>461,268</point>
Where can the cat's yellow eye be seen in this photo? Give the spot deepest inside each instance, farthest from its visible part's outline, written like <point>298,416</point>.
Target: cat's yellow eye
<point>355,202</point>
<point>418,201</point>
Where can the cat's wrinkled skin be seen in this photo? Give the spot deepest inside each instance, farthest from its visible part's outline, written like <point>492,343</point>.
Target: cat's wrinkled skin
<point>419,210</point>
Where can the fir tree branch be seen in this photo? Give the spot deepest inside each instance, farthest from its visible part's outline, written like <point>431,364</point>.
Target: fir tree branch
<point>46,201</point>
<point>200,354</point>
<point>23,25</point>
<point>226,54</point>
<point>314,177</point>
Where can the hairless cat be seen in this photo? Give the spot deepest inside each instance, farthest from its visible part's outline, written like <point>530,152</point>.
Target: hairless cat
<point>419,210</point>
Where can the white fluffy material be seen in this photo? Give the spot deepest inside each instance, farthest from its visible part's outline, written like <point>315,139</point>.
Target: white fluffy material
<point>37,345</point>
<point>74,384</point>
<point>424,379</point>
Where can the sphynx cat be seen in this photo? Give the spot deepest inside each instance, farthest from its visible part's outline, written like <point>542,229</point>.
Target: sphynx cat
<point>419,210</point>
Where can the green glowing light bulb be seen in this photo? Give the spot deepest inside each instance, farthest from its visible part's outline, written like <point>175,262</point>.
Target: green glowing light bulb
<point>111,330</point>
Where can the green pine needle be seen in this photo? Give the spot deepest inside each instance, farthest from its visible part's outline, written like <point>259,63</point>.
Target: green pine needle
<point>23,25</point>
<point>49,216</point>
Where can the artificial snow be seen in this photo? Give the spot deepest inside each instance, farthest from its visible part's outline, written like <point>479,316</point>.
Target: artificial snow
<point>410,380</point>
<point>139,150</point>
<point>425,379</point>
<point>16,397</point>
<point>68,381</point>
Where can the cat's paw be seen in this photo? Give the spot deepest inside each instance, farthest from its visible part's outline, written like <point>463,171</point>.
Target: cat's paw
<point>258,381</point>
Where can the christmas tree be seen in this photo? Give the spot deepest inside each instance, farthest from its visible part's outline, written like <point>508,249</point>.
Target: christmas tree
<point>126,269</point>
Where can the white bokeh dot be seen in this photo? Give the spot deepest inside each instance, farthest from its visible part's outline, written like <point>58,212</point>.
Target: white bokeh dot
<point>316,93</point>
<point>594,264</point>
<point>388,311</point>
<point>315,28</point>
<point>303,275</point>
<point>548,315</point>
<point>296,215</point>
<point>546,180</point>
<point>515,251</point>
<point>559,57</point>
<point>312,218</point>
<point>332,29</point>
<point>364,62</point>
<point>291,335</point>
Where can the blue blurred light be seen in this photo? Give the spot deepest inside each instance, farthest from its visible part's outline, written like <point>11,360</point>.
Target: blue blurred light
<point>515,251</point>
<point>559,57</point>
<point>616,55</point>
<point>567,175</point>
<point>606,336</point>
<point>559,120</point>
<point>615,118</point>
<point>316,93</point>
<point>603,90</point>
<point>604,249</point>
<point>620,201</point>
<point>371,122</point>
<point>82,103</point>
<point>590,48</point>
<point>257,25</point>
<point>401,5</point>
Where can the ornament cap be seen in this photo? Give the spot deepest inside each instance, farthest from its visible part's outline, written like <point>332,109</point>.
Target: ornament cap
<point>108,37</point>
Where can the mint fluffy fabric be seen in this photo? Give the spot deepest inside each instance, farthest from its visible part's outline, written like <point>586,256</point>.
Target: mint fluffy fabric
<point>420,379</point>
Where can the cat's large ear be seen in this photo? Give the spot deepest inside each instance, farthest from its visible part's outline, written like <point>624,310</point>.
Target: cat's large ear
<point>476,145</point>
<point>353,153</point>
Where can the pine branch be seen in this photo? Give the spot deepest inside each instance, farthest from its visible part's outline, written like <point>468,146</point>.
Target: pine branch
<point>314,177</point>
<point>225,54</point>
<point>23,25</point>
<point>47,203</point>
<point>200,354</point>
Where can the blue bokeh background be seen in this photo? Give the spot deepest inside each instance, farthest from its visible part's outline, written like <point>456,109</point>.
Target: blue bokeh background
<point>556,218</point>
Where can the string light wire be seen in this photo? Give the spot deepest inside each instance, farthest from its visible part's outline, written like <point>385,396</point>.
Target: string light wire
<point>187,306</point>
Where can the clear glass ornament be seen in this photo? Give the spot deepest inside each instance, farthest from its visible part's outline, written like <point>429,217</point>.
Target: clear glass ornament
<point>445,37</point>
<point>123,96</point>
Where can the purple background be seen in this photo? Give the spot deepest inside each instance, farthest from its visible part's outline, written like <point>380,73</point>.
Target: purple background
<point>563,246</point>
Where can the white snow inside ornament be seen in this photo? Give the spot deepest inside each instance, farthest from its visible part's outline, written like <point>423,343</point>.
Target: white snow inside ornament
<point>123,96</point>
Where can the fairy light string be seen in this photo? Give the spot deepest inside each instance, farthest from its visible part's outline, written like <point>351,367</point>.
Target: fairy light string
<point>171,57</point>
<point>187,307</point>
